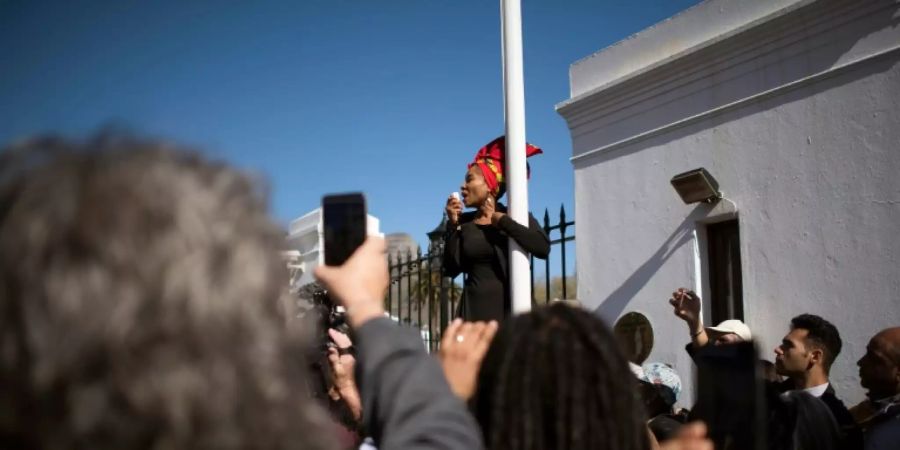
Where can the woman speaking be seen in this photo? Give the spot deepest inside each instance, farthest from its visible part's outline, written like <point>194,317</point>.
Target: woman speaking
<point>477,242</point>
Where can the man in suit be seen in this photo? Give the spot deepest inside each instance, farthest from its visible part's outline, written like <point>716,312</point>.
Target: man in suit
<point>805,357</point>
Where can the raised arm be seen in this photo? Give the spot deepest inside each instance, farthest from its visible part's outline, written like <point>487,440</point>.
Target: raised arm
<point>406,400</point>
<point>532,238</point>
<point>686,306</point>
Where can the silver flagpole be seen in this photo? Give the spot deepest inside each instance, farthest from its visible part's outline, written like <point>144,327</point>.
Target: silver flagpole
<point>516,172</point>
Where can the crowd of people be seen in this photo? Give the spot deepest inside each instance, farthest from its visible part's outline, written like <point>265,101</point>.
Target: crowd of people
<point>803,408</point>
<point>143,307</point>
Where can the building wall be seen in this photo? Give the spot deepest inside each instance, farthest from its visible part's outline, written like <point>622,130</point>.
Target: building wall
<point>796,114</point>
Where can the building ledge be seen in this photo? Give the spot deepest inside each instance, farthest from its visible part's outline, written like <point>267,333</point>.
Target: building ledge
<point>690,31</point>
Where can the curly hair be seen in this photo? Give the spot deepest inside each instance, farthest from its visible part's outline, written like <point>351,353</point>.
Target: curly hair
<point>821,334</point>
<point>555,379</point>
<point>140,307</point>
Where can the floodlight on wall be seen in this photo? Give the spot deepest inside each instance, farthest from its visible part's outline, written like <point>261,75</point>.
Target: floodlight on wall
<point>696,186</point>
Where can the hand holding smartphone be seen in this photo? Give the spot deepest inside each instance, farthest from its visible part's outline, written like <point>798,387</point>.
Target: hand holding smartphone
<point>355,270</point>
<point>344,226</point>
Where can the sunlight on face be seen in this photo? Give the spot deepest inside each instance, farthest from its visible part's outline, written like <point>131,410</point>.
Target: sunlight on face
<point>474,189</point>
<point>792,356</point>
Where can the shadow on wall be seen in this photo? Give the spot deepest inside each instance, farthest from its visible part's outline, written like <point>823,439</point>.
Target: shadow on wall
<point>614,304</point>
<point>828,52</point>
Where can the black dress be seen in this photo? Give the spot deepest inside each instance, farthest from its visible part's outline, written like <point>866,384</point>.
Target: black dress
<point>481,252</point>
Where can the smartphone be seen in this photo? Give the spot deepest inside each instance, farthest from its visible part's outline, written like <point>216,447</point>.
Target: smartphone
<point>344,226</point>
<point>731,396</point>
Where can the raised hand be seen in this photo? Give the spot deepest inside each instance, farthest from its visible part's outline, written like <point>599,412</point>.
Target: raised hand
<point>454,209</point>
<point>686,305</point>
<point>360,283</point>
<point>342,370</point>
<point>489,209</point>
<point>463,347</point>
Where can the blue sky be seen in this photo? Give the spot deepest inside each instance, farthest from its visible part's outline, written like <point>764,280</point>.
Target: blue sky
<point>390,97</point>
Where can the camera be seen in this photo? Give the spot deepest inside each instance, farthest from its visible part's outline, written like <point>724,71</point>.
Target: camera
<point>328,316</point>
<point>322,314</point>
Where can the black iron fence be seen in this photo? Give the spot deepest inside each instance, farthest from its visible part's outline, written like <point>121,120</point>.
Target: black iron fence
<point>421,297</point>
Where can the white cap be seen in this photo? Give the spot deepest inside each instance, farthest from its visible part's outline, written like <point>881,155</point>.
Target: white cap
<point>733,326</point>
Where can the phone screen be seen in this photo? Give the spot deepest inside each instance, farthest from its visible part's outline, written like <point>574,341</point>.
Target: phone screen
<point>344,226</point>
<point>731,396</point>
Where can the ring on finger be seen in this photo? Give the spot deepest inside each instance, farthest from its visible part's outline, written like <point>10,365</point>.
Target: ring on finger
<point>460,338</point>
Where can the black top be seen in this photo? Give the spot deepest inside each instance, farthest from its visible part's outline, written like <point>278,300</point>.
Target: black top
<point>481,252</point>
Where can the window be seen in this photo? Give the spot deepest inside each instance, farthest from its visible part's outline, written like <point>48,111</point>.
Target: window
<point>726,288</point>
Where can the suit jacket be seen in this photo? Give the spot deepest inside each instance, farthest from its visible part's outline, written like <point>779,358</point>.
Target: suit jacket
<point>852,434</point>
<point>406,400</point>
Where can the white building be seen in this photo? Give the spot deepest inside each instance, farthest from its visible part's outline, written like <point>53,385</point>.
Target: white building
<point>304,244</point>
<point>794,107</point>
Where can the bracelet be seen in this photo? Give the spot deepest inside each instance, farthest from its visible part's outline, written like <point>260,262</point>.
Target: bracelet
<point>693,335</point>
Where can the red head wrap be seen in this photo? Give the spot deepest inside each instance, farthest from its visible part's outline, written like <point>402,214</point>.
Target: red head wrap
<point>492,160</point>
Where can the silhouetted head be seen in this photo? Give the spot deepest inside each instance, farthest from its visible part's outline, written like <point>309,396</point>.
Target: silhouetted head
<point>555,378</point>
<point>140,307</point>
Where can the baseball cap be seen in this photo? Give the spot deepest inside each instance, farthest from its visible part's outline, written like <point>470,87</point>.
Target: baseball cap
<point>733,326</point>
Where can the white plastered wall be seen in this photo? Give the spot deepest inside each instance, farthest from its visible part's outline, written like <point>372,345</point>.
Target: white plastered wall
<point>797,115</point>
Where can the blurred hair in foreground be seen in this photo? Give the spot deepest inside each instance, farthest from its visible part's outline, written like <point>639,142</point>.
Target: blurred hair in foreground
<point>555,378</point>
<point>140,290</point>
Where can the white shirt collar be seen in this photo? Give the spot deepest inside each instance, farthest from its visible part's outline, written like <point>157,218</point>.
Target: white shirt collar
<point>817,391</point>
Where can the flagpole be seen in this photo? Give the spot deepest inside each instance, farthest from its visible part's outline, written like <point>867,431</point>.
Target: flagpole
<point>516,175</point>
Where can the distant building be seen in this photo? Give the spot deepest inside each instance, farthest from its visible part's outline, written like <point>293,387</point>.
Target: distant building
<point>303,244</point>
<point>402,249</point>
<point>794,107</point>
<point>412,298</point>
<point>401,245</point>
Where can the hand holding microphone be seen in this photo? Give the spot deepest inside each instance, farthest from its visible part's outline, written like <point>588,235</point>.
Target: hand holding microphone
<point>454,208</point>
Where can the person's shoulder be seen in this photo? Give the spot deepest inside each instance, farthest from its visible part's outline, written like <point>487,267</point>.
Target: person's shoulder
<point>890,414</point>
<point>830,396</point>
<point>837,407</point>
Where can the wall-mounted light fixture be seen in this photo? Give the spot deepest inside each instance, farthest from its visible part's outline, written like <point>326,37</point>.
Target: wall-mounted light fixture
<point>696,186</point>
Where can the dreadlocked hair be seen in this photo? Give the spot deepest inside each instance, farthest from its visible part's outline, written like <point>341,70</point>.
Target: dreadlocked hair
<point>555,379</point>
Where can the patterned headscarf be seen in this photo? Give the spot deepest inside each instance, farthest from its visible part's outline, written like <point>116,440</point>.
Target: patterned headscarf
<point>492,160</point>
<point>665,376</point>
